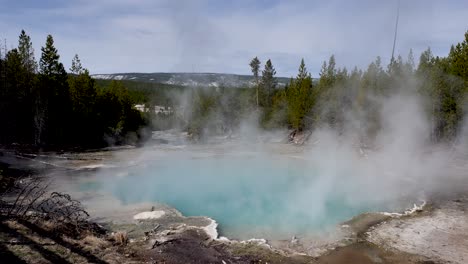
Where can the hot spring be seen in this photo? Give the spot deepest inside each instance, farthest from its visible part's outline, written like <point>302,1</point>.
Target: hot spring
<point>251,194</point>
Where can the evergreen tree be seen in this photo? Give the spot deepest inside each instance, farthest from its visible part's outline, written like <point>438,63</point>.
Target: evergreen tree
<point>53,106</point>
<point>11,95</point>
<point>327,74</point>
<point>450,91</point>
<point>14,73</point>
<point>300,98</point>
<point>18,82</point>
<point>302,71</point>
<point>255,67</point>
<point>76,67</point>
<point>2,72</point>
<point>425,61</point>
<point>82,89</point>
<point>49,64</point>
<point>409,65</point>
<point>28,84</point>
<point>458,60</point>
<point>396,68</point>
<point>56,116</point>
<point>26,52</point>
<point>268,84</point>
<point>331,70</point>
<point>374,79</point>
<point>374,83</point>
<point>330,95</point>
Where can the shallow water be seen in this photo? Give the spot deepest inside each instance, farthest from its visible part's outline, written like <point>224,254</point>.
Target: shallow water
<point>250,194</point>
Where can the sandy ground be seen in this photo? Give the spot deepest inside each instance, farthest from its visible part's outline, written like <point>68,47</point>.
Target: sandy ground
<point>441,234</point>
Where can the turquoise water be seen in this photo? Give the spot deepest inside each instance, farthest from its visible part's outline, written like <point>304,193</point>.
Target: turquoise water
<point>271,197</point>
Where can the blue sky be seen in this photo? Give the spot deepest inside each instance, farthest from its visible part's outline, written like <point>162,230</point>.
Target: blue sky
<point>222,36</point>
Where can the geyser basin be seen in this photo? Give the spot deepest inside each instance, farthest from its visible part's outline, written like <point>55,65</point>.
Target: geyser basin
<point>248,194</point>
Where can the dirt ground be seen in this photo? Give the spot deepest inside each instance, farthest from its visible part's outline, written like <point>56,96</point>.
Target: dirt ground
<point>441,234</point>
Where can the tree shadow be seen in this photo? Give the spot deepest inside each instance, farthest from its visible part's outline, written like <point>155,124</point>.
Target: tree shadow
<point>46,253</point>
<point>8,257</point>
<point>59,240</point>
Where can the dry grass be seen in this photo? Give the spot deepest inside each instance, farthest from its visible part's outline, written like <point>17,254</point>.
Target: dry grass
<point>120,238</point>
<point>48,225</point>
<point>95,242</point>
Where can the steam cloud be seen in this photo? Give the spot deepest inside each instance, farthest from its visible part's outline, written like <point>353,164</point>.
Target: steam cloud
<point>400,167</point>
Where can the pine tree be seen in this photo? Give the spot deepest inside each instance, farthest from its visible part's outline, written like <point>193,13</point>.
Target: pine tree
<point>12,95</point>
<point>302,71</point>
<point>14,73</point>
<point>331,70</point>
<point>268,84</point>
<point>425,61</point>
<point>83,96</point>
<point>28,82</point>
<point>409,65</point>
<point>458,60</point>
<point>26,52</point>
<point>255,67</point>
<point>328,75</point>
<point>396,68</point>
<point>53,100</point>
<point>49,64</point>
<point>82,90</point>
<point>299,95</point>
<point>76,67</point>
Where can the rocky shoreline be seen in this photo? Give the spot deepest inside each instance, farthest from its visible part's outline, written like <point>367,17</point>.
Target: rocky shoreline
<point>367,238</point>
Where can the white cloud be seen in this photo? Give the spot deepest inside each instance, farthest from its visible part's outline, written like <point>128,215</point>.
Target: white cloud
<point>147,36</point>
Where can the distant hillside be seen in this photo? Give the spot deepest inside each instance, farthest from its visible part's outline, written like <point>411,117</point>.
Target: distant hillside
<point>188,79</point>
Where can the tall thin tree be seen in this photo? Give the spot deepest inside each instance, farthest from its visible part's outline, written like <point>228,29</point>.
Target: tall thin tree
<point>269,82</point>
<point>26,52</point>
<point>255,67</point>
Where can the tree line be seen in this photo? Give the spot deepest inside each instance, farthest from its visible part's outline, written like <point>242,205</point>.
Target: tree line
<point>43,105</point>
<point>337,94</point>
<point>339,98</point>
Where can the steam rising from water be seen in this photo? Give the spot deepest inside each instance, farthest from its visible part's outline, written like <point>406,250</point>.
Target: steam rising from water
<point>258,189</point>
